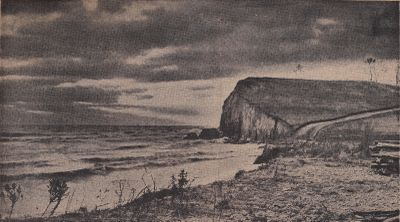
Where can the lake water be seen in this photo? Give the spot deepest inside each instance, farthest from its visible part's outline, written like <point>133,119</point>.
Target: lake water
<point>95,160</point>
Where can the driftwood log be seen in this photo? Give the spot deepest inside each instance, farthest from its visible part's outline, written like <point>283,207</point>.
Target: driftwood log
<point>384,216</point>
<point>386,157</point>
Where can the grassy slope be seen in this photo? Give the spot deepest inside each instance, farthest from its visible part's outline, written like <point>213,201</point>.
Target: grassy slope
<point>383,127</point>
<point>300,101</point>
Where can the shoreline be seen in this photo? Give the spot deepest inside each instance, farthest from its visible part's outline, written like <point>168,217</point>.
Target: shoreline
<point>86,190</point>
<point>290,189</point>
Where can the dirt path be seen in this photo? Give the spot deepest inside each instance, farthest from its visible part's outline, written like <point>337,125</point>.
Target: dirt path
<point>311,130</point>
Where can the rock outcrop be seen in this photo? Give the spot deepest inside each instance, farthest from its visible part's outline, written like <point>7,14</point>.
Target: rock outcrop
<point>244,121</point>
<point>210,133</point>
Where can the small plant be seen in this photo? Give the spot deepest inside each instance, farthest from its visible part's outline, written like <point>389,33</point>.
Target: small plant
<point>122,184</point>
<point>239,174</point>
<point>58,191</point>
<point>222,205</point>
<point>178,190</point>
<point>14,193</point>
<point>101,196</point>
<point>371,61</point>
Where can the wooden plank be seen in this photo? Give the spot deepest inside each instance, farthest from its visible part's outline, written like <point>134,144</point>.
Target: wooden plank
<point>389,155</point>
<point>389,141</point>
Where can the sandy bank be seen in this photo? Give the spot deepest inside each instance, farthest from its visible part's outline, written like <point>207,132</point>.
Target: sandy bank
<point>292,189</point>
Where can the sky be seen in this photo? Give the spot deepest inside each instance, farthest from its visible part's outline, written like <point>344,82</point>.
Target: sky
<point>123,62</point>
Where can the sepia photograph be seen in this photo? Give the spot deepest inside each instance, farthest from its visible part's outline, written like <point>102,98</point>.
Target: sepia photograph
<point>199,110</point>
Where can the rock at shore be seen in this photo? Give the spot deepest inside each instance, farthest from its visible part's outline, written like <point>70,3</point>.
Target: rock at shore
<point>191,136</point>
<point>210,133</point>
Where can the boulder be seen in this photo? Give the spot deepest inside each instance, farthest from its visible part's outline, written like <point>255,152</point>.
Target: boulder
<point>210,133</point>
<point>191,136</point>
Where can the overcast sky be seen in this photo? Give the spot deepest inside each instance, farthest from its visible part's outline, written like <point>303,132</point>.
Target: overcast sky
<point>174,62</point>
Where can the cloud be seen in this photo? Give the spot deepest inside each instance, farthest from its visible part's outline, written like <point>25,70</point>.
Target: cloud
<point>8,63</point>
<point>10,24</point>
<point>204,39</point>
<point>115,84</point>
<point>183,55</point>
<point>36,6</point>
<point>19,78</point>
<point>43,91</point>
<point>39,112</point>
<point>168,68</point>
<point>126,11</point>
<point>149,55</point>
<point>163,100</point>
<point>90,5</point>
<point>326,21</point>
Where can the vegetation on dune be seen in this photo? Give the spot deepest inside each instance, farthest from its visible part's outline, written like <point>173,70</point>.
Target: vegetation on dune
<point>13,193</point>
<point>299,101</point>
<point>58,191</point>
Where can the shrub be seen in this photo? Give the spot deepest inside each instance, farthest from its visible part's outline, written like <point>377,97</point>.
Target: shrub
<point>239,174</point>
<point>58,191</point>
<point>14,193</point>
<point>178,190</point>
<point>121,186</point>
<point>101,196</point>
<point>222,205</point>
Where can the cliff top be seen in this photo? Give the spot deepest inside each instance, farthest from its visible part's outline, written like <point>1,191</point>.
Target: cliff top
<point>298,101</point>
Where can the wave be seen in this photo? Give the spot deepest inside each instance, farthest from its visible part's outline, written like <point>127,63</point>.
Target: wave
<point>103,170</point>
<point>24,164</point>
<point>20,134</point>
<point>132,147</point>
<point>116,159</point>
<point>67,175</point>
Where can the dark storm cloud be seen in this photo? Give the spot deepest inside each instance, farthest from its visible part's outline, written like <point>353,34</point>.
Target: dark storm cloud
<point>44,92</point>
<point>155,109</point>
<point>69,114</point>
<point>79,34</point>
<point>113,5</point>
<point>209,39</point>
<point>36,6</point>
<point>218,36</point>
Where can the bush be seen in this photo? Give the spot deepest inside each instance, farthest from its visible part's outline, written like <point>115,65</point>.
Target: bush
<point>14,193</point>
<point>178,191</point>
<point>239,174</point>
<point>58,191</point>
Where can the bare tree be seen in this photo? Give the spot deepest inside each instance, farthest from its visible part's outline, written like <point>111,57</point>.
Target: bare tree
<point>371,62</point>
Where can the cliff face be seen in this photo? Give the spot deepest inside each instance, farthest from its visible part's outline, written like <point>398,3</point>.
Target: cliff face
<point>243,121</point>
<point>260,109</point>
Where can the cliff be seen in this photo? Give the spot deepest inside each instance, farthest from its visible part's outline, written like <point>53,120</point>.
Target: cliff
<point>259,109</point>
